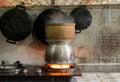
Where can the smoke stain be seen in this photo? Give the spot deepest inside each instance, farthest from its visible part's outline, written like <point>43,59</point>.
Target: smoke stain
<point>107,45</point>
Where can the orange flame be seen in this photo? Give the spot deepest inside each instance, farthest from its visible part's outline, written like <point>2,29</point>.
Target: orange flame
<point>59,66</point>
<point>59,74</point>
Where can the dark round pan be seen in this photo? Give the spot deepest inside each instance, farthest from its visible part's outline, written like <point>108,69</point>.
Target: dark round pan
<point>82,17</point>
<point>45,17</point>
<point>16,24</point>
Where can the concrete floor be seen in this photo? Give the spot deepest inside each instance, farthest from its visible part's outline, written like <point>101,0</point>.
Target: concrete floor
<point>98,77</point>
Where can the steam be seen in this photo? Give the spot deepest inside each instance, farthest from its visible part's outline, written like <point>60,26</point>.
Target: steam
<point>61,20</point>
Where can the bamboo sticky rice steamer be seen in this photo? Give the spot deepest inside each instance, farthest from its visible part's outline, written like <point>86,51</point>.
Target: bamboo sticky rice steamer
<point>60,31</point>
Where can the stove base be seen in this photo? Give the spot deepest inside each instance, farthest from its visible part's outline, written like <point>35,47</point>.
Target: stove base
<point>40,71</point>
<point>37,79</point>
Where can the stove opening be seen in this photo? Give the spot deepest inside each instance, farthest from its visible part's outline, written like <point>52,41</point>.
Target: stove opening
<point>59,69</point>
<point>59,66</point>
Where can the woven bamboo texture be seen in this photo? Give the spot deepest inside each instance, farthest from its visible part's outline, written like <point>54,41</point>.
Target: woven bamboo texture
<point>60,31</point>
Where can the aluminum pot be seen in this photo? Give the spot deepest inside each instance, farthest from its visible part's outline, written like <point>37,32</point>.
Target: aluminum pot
<point>59,52</point>
<point>9,69</point>
<point>14,68</point>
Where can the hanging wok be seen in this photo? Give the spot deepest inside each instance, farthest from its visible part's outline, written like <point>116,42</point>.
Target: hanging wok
<point>16,24</point>
<point>45,17</point>
<point>82,17</point>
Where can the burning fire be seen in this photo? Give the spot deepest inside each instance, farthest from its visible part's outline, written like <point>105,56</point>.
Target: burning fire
<point>59,69</point>
<point>59,74</point>
<point>59,66</point>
